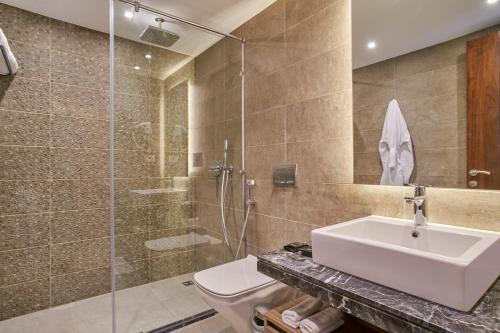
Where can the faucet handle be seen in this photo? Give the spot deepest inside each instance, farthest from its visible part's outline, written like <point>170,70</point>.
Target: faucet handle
<point>419,189</point>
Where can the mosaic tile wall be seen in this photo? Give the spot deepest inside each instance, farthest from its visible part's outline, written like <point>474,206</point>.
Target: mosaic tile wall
<point>54,179</point>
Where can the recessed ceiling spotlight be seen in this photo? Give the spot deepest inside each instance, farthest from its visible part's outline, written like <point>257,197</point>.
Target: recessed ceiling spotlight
<point>137,67</point>
<point>372,45</point>
<point>490,2</point>
<point>148,56</point>
<point>129,14</point>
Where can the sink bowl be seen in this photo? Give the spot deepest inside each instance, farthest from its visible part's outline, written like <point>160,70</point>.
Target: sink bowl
<point>448,265</point>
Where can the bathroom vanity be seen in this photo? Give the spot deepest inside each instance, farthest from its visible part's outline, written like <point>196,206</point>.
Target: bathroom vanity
<point>383,307</point>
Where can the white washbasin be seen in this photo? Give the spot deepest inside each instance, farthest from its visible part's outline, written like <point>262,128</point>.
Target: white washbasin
<point>448,265</point>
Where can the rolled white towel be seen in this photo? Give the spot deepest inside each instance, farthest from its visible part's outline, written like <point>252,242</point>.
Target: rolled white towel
<point>4,69</point>
<point>325,321</point>
<point>304,309</point>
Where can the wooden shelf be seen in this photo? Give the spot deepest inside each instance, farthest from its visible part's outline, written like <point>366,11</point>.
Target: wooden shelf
<point>274,324</point>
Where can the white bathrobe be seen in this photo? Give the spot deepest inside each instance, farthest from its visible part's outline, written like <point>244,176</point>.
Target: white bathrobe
<point>395,147</point>
<point>4,70</point>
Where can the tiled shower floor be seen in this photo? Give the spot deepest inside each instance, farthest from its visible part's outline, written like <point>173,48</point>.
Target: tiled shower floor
<point>138,309</point>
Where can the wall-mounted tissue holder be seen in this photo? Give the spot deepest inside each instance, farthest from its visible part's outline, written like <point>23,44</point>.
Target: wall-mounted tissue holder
<point>285,175</point>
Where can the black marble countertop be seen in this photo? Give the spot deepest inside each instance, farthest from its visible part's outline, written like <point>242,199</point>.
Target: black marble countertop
<point>386,308</point>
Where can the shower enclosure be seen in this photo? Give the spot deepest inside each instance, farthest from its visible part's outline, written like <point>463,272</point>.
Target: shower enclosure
<point>123,176</point>
<point>177,161</point>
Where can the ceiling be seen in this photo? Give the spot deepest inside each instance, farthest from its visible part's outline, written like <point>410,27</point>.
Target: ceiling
<point>221,15</point>
<point>402,26</point>
<point>397,26</point>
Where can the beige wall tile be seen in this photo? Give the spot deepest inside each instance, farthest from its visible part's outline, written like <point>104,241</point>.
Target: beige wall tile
<point>68,163</point>
<point>297,232</point>
<point>172,265</point>
<point>313,78</point>
<point>270,22</point>
<point>132,274</point>
<point>323,161</point>
<point>133,219</point>
<point>261,159</point>
<point>320,119</point>
<point>327,29</point>
<point>264,56</point>
<point>265,127</point>
<point>26,95</point>
<point>265,232</point>
<point>266,91</point>
<point>297,10</point>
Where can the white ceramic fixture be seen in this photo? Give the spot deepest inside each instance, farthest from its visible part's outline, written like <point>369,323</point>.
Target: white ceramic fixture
<point>235,289</point>
<point>448,265</point>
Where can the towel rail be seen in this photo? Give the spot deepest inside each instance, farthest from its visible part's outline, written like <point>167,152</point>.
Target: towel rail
<point>6,58</point>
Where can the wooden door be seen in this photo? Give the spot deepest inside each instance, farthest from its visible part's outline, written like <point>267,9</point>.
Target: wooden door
<point>483,112</point>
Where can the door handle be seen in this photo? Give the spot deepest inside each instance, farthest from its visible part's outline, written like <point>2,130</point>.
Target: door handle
<point>474,172</point>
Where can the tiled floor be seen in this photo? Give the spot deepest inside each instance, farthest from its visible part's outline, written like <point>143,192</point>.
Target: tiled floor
<point>138,309</point>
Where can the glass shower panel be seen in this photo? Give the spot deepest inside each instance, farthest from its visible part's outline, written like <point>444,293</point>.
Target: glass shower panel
<point>177,98</point>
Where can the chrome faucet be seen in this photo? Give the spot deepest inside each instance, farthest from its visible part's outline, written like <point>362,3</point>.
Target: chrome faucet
<point>418,201</point>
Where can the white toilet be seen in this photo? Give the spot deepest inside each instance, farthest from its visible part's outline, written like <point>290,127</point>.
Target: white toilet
<point>236,288</point>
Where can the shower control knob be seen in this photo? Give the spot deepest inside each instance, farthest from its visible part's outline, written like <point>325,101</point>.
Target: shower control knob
<point>473,184</point>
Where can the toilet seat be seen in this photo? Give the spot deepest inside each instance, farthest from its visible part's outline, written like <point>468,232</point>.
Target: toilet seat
<point>233,279</point>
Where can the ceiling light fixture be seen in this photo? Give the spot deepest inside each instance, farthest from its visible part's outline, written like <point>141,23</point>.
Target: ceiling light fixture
<point>129,14</point>
<point>148,56</point>
<point>490,2</point>
<point>372,45</point>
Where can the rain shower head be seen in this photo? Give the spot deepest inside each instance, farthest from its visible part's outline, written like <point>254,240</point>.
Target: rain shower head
<point>159,36</point>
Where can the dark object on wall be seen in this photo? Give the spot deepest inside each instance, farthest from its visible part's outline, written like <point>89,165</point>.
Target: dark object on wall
<point>295,247</point>
<point>483,112</point>
<point>285,175</point>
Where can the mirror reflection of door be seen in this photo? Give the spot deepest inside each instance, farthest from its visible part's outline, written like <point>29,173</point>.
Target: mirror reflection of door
<point>483,112</point>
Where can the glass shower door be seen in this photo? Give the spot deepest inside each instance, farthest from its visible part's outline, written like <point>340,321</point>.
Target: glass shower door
<point>177,98</point>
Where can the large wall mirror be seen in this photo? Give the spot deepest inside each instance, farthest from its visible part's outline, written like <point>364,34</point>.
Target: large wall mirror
<point>426,80</point>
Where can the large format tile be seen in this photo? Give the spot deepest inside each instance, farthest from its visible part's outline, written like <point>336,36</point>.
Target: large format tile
<point>319,119</point>
<point>319,33</point>
<point>80,194</point>
<point>24,163</point>
<point>24,129</point>
<point>23,26</point>
<point>266,127</point>
<point>21,197</point>
<point>79,102</point>
<point>79,132</point>
<point>72,287</point>
<point>22,231</point>
<point>24,265</point>
<point>67,163</point>
<point>71,69</point>
<point>78,40</point>
<point>70,226</point>
<point>26,95</point>
<point>80,256</point>
<point>34,62</point>
<point>24,298</point>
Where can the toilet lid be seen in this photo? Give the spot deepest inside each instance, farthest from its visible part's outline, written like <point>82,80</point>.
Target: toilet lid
<point>232,278</point>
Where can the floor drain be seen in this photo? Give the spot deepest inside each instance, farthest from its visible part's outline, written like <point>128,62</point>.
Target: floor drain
<point>188,283</point>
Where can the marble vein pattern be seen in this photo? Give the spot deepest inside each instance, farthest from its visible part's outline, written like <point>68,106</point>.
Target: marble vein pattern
<point>389,309</point>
